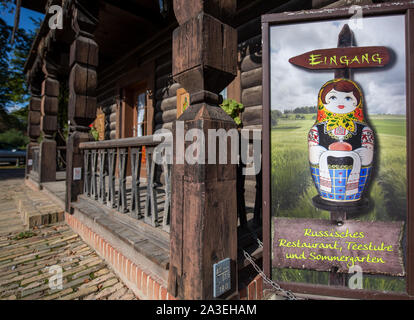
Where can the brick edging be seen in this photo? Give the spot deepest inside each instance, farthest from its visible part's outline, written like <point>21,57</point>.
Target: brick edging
<point>253,291</point>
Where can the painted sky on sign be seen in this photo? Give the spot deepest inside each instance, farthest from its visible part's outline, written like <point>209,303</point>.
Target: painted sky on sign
<point>292,86</point>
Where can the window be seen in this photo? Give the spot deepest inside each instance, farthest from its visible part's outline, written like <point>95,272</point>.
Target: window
<point>224,93</point>
<point>140,128</point>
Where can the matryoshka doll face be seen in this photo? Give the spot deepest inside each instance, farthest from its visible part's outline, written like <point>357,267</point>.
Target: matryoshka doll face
<point>340,102</point>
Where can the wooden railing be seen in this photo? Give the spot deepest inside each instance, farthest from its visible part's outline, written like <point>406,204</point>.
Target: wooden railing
<point>105,177</point>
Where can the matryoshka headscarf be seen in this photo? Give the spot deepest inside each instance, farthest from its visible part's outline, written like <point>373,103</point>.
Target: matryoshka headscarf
<point>334,120</point>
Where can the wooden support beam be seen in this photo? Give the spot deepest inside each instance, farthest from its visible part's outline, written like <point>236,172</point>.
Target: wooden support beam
<point>48,122</point>
<point>33,127</point>
<point>83,62</point>
<point>204,202</point>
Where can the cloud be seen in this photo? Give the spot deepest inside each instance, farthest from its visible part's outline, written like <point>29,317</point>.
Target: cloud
<point>291,86</point>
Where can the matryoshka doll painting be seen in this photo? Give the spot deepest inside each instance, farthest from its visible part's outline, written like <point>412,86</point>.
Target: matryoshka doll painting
<point>341,147</point>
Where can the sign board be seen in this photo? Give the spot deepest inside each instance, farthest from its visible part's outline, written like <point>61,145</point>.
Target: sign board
<point>337,165</point>
<point>323,245</point>
<point>337,58</point>
<point>221,277</point>
<point>183,101</point>
<point>77,174</point>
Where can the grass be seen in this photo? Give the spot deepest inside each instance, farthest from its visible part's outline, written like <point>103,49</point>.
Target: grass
<point>24,235</point>
<point>292,188</point>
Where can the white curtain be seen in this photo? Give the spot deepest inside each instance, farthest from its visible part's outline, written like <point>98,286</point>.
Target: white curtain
<point>141,114</point>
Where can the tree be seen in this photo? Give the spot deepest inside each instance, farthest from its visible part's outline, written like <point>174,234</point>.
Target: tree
<point>13,87</point>
<point>274,116</point>
<point>4,74</point>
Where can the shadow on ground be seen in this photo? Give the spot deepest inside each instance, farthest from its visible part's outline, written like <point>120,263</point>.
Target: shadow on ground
<point>8,174</point>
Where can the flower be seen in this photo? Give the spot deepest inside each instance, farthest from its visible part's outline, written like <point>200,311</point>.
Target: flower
<point>321,115</point>
<point>358,114</point>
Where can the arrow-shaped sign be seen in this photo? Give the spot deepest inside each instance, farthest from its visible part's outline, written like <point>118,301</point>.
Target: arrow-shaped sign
<point>338,58</point>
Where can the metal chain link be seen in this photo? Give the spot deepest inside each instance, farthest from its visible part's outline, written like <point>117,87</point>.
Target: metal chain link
<point>276,287</point>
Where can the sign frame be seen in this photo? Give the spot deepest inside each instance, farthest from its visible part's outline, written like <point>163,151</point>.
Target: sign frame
<point>406,9</point>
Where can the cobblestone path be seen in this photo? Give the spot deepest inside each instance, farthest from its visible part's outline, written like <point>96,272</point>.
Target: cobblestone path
<point>29,259</point>
<point>11,181</point>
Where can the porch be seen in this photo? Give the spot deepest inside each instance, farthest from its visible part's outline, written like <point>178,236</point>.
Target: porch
<point>130,214</point>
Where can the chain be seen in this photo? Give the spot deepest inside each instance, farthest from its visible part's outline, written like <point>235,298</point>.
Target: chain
<point>286,293</point>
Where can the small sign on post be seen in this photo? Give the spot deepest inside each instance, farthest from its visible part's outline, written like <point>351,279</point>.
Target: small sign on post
<point>77,174</point>
<point>221,277</point>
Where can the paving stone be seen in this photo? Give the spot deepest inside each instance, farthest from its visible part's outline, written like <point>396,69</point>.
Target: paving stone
<point>80,293</point>
<point>109,283</point>
<point>98,281</point>
<point>108,291</point>
<point>57,295</point>
<point>24,262</point>
<point>19,278</point>
<point>118,294</point>
<point>128,296</point>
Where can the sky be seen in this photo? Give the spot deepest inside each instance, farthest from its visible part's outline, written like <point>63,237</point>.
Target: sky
<point>292,86</point>
<point>25,23</point>
<point>25,15</point>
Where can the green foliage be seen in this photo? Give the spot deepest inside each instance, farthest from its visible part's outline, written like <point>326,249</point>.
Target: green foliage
<point>308,276</point>
<point>233,109</point>
<point>24,235</point>
<point>5,32</point>
<point>95,133</point>
<point>306,110</point>
<point>13,88</point>
<point>14,137</point>
<point>274,116</point>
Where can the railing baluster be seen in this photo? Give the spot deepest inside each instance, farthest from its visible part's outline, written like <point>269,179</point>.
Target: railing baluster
<point>167,201</point>
<point>136,155</point>
<point>110,158</point>
<point>122,166</point>
<point>151,210</point>
<point>102,176</point>
<point>94,191</point>
<point>87,173</point>
<point>111,177</point>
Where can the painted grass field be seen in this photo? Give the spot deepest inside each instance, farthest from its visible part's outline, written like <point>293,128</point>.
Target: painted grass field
<point>292,188</point>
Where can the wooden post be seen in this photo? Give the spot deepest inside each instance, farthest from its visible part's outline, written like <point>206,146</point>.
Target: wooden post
<point>48,122</point>
<point>33,127</point>
<point>345,39</point>
<point>82,94</point>
<point>204,200</point>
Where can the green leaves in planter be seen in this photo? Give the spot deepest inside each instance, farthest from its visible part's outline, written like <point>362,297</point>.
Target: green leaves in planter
<point>233,109</point>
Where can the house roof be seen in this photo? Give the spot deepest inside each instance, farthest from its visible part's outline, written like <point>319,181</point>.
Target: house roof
<point>35,5</point>
<point>123,25</point>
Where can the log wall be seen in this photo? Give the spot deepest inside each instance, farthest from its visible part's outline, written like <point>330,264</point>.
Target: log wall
<point>165,110</point>
<point>165,94</point>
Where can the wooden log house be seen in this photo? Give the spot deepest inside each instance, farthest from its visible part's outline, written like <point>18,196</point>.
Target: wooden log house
<point>128,68</point>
